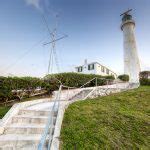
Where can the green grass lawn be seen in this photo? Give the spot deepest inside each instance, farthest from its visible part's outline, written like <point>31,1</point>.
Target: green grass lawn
<point>118,121</point>
<point>3,111</point>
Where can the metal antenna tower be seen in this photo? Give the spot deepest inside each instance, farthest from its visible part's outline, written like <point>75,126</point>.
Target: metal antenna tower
<point>53,53</point>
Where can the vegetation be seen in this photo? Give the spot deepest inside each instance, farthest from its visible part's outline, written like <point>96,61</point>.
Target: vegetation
<point>144,78</point>
<point>48,83</point>
<point>77,79</point>
<point>7,84</point>
<point>144,74</point>
<point>3,111</point>
<point>124,77</point>
<point>118,121</point>
<point>145,81</point>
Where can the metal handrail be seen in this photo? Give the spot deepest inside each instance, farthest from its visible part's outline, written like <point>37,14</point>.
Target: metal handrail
<point>69,87</point>
<point>52,121</point>
<point>49,124</point>
<point>88,82</point>
<point>130,86</point>
<point>96,78</point>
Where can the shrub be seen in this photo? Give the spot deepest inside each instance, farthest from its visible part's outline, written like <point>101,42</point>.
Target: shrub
<point>76,79</point>
<point>144,81</point>
<point>7,84</point>
<point>145,74</point>
<point>124,77</point>
<point>144,78</point>
<point>50,83</point>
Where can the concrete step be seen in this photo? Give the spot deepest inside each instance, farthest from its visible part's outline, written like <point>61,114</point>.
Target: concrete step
<point>29,119</point>
<point>18,140</point>
<point>30,147</point>
<point>34,112</point>
<point>24,147</point>
<point>25,129</point>
<point>6,148</point>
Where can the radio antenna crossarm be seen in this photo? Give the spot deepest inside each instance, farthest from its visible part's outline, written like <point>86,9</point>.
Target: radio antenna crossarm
<point>126,12</point>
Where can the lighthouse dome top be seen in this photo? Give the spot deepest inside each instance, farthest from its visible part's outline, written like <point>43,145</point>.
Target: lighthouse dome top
<point>126,17</point>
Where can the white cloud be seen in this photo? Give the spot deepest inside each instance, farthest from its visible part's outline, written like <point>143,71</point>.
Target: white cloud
<point>35,3</point>
<point>42,5</point>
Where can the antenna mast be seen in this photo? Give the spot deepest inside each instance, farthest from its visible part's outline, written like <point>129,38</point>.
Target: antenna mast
<point>126,12</point>
<point>53,53</point>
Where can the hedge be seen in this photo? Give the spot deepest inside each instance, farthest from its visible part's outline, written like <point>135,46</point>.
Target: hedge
<point>7,84</point>
<point>49,82</point>
<point>145,74</point>
<point>144,81</point>
<point>76,79</point>
<point>124,77</point>
<point>144,78</point>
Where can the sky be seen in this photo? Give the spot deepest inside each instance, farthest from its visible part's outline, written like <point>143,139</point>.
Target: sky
<point>92,26</point>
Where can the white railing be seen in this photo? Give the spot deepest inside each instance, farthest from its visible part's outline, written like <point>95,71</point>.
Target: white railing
<point>114,88</point>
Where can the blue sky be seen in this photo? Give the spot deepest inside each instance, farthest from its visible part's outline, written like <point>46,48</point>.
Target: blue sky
<point>92,26</point>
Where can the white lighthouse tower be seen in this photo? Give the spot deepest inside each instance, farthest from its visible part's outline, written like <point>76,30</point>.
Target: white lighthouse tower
<point>131,60</point>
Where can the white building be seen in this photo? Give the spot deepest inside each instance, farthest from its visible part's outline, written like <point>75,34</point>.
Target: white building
<point>94,68</point>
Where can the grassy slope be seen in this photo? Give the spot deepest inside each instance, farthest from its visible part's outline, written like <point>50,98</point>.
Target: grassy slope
<point>119,121</point>
<point>3,111</point>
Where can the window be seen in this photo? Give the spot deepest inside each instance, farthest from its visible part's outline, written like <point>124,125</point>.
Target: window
<point>80,69</point>
<point>102,69</point>
<point>107,71</point>
<point>91,67</point>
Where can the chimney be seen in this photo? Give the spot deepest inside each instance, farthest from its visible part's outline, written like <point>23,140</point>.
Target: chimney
<point>85,62</point>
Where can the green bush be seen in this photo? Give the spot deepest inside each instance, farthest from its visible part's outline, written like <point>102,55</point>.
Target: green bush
<point>144,78</point>
<point>76,79</point>
<point>7,84</point>
<point>144,74</point>
<point>124,77</point>
<point>50,83</point>
<point>144,81</point>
